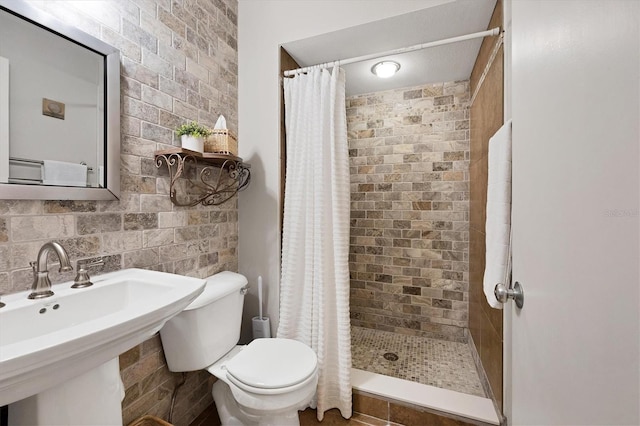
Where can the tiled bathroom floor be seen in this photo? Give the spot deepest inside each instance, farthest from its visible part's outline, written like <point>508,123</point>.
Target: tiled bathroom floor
<point>434,362</point>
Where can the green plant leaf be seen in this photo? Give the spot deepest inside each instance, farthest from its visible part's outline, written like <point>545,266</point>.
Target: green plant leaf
<point>194,129</point>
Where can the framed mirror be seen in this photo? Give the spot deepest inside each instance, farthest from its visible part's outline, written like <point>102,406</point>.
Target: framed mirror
<point>59,109</point>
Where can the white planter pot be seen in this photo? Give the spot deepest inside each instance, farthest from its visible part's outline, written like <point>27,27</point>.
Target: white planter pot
<point>192,143</point>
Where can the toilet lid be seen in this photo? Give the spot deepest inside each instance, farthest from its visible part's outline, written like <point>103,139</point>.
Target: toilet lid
<point>273,363</point>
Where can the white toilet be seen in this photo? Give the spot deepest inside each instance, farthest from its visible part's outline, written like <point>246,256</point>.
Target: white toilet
<point>263,383</point>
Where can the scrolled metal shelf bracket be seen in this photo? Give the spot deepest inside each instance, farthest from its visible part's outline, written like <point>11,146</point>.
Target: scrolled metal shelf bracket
<point>219,179</point>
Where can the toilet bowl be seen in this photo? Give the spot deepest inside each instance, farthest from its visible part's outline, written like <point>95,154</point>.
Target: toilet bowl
<point>267,381</point>
<point>263,383</point>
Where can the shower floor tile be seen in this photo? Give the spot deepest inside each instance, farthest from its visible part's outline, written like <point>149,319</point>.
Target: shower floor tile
<point>434,362</point>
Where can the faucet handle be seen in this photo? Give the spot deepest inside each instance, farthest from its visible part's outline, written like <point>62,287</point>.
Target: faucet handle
<point>82,279</point>
<point>83,264</point>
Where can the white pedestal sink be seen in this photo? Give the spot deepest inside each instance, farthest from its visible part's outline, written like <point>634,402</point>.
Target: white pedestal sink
<point>93,398</point>
<point>47,346</point>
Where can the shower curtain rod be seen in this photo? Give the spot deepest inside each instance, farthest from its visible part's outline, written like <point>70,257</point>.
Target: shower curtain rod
<point>491,32</point>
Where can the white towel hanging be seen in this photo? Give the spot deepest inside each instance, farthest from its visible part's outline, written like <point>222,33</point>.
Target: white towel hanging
<point>498,226</point>
<point>62,173</point>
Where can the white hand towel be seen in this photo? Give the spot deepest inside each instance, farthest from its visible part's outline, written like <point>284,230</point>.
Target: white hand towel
<point>61,173</point>
<point>498,226</point>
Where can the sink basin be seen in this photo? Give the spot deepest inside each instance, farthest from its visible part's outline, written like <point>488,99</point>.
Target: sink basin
<point>46,342</point>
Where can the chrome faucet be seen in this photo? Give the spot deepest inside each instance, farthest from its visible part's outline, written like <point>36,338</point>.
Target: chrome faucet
<point>41,286</point>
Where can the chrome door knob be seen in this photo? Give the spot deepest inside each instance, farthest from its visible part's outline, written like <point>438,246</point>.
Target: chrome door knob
<point>503,294</point>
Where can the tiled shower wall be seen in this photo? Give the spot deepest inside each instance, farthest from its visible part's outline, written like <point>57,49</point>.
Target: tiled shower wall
<point>409,156</point>
<point>178,62</point>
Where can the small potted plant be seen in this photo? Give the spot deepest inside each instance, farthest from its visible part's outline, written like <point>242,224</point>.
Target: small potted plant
<point>192,135</point>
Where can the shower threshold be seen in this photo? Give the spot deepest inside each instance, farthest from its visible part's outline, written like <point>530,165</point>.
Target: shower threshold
<point>422,372</point>
<point>417,394</point>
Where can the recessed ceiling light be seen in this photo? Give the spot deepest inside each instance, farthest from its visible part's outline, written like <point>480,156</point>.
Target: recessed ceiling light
<point>385,69</point>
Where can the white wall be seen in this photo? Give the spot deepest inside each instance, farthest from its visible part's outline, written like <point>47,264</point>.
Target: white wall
<point>264,25</point>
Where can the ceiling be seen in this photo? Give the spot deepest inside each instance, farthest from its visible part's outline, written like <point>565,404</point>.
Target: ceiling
<point>438,64</point>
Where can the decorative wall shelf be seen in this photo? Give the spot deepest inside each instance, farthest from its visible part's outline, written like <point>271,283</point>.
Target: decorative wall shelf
<point>212,187</point>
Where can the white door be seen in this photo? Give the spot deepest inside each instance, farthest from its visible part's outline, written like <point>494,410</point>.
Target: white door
<point>575,106</point>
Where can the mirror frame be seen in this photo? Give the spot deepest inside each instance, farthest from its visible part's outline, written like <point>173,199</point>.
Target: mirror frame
<point>10,191</point>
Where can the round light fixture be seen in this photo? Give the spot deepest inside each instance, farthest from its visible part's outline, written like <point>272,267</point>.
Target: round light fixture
<point>385,69</point>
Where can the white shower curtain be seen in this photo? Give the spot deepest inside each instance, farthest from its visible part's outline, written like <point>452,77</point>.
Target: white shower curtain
<point>314,289</point>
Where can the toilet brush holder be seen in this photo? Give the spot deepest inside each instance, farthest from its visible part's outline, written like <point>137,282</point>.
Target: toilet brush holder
<point>261,327</point>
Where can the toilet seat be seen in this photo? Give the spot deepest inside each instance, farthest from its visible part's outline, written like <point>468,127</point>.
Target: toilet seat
<point>272,391</point>
<point>272,366</point>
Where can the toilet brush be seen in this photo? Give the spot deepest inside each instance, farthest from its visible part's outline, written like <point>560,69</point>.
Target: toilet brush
<point>261,326</point>
<point>260,295</point>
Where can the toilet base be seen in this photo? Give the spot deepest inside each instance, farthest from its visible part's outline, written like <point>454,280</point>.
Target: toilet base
<point>231,414</point>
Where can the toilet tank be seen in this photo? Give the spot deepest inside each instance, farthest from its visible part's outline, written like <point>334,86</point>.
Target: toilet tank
<point>209,327</point>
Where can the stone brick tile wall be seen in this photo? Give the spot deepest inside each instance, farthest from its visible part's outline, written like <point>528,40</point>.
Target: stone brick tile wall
<point>409,157</point>
<point>178,62</point>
